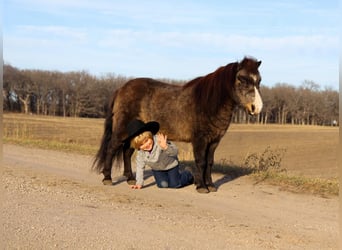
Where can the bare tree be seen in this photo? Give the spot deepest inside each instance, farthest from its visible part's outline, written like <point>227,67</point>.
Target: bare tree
<point>18,87</point>
<point>79,93</point>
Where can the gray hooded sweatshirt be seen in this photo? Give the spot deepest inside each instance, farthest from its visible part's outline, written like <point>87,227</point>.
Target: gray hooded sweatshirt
<point>157,159</point>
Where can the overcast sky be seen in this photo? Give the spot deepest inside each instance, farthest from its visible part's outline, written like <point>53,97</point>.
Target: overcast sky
<point>178,39</point>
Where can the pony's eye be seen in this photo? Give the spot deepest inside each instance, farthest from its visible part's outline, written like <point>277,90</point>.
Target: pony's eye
<point>242,78</point>
<point>244,84</point>
<point>244,81</point>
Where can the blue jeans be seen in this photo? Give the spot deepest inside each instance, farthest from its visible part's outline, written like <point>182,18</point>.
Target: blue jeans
<point>172,178</point>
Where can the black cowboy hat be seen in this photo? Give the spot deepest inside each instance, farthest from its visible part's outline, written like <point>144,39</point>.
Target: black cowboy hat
<point>136,127</point>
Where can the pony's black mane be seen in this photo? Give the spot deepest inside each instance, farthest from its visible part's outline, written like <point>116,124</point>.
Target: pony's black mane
<point>210,92</point>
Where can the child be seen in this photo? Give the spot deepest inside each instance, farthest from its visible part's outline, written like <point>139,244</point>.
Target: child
<point>155,151</point>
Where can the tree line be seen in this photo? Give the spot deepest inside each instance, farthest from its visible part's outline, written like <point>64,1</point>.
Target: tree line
<point>80,94</point>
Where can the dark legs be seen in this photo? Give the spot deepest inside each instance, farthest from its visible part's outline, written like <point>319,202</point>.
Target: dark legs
<point>204,159</point>
<point>210,163</point>
<point>114,150</point>
<point>199,177</point>
<point>107,169</point>
<point>200,154</point>
<point>127,153</point>
<point>111,153</point>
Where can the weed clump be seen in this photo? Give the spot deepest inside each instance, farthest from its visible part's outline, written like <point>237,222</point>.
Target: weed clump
<point>266,166</point>
<point>269,160</point>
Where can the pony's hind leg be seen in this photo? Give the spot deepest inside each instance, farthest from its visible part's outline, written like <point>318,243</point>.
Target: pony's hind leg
<point>114,152</point>
<point>107,169</point>
<point>127,154</point>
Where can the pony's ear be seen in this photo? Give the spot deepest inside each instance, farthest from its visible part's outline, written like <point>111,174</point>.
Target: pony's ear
<point>239,65</point>
<point>249,63</point>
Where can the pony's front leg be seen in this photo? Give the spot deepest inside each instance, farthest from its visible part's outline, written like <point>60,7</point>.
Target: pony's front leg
<point>201,163</point>
<point>199,177</point>
<point>210,163</point>
<point>127,154</point>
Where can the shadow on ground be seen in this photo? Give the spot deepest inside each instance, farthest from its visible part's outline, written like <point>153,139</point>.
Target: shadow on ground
<point>147,174</point>
<point>230,172</point>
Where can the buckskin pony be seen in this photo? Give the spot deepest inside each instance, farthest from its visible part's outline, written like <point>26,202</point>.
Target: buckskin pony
<point>198,112</point>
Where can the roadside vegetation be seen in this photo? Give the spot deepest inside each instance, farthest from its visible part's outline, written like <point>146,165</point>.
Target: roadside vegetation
<point>83,135</point>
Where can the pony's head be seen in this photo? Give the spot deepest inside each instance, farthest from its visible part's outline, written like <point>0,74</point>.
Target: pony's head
<point>246,86</point>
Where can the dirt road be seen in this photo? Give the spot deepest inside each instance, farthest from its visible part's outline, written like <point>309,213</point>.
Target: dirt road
<point>53,201</point>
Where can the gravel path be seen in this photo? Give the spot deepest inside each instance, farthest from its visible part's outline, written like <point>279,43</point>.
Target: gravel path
<point>53,201</point>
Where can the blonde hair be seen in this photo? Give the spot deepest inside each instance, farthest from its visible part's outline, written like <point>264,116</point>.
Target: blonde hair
<point>137,141</point>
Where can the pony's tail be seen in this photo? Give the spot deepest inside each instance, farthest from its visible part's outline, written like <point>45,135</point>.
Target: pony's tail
<point>100,158</point>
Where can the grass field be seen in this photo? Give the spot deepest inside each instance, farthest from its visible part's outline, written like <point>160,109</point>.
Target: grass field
<point>305,153</point>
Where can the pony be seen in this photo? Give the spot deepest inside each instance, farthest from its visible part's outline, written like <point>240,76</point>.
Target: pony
<point>198,112</point>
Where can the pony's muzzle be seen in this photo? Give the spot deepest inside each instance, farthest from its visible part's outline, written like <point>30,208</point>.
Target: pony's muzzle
<point>255,107</point>
<point>251,109</point>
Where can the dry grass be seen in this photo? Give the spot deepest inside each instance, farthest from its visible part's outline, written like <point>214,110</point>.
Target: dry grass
<point>299,184</point>
<point>262,160</point>
<point>67,134</point>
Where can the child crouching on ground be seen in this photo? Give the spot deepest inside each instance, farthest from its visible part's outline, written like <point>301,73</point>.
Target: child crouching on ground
<point>155,151</point>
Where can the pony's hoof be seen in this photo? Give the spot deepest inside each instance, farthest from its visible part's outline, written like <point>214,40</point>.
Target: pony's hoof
<point>131,182</point>
<point>202,190</point>
<point>107,182</point>
<point>212,188</point>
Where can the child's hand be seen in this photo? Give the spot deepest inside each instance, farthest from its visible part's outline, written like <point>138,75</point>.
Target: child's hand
<point>136,186</point>
<point>162,140</point>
